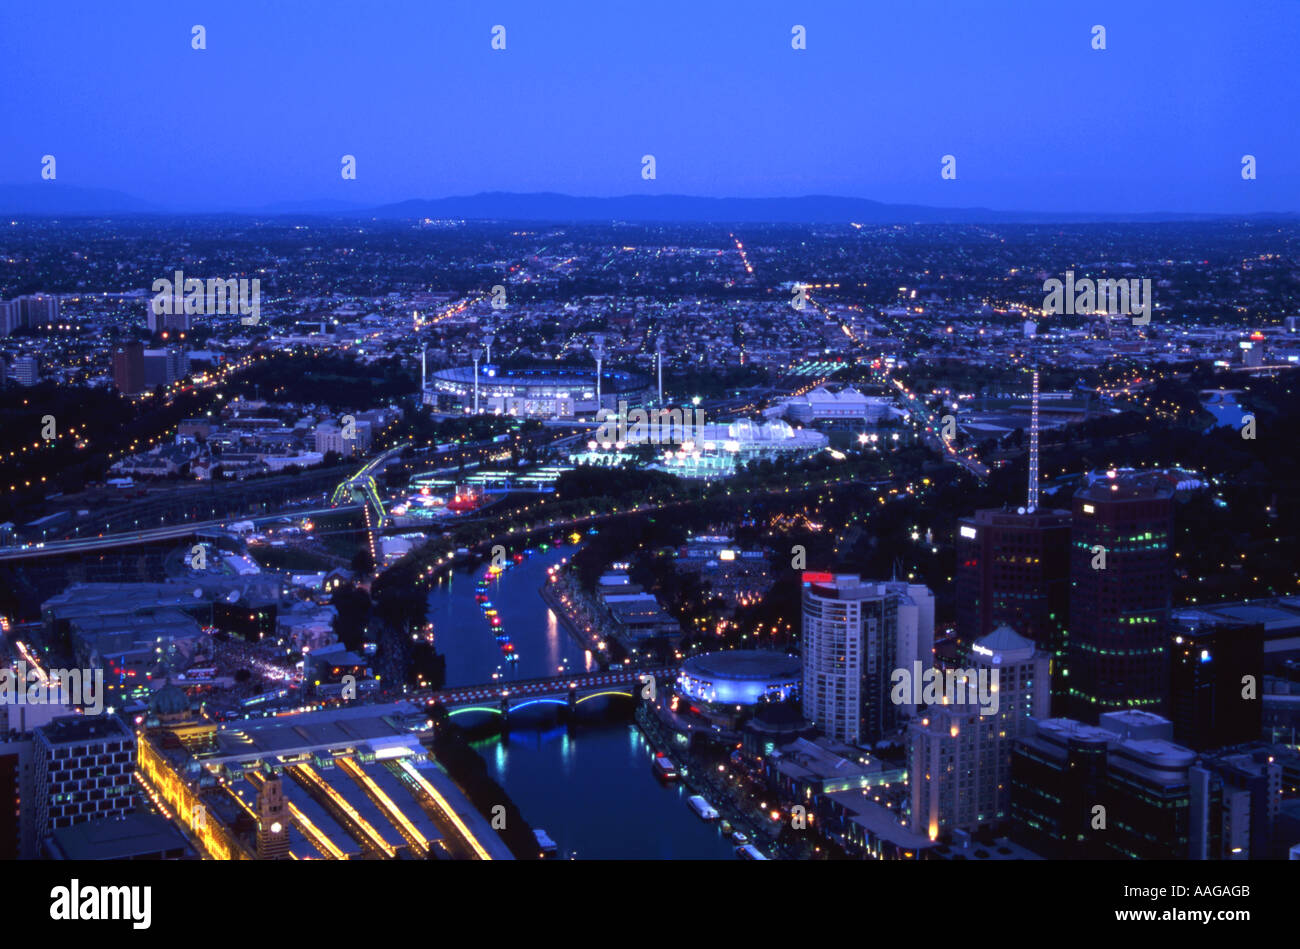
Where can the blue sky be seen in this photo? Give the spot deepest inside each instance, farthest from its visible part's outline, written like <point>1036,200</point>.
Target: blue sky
<point>1036,118</point>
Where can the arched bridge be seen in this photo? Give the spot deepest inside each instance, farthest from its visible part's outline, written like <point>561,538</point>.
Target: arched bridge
<point>361,488</point>
<point>503,697</point>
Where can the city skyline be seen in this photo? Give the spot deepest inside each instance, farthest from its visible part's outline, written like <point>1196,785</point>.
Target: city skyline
<point>673,436</point>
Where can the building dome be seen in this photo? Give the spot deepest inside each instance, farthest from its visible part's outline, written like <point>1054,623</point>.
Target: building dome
<point>743,677</point>
<point>169,700</point>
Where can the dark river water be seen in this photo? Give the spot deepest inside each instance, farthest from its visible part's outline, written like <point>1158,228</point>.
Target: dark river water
<point>589,787</point>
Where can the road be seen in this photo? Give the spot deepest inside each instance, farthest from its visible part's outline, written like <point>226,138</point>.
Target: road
<point>131,538</point>
<point>914,404</point>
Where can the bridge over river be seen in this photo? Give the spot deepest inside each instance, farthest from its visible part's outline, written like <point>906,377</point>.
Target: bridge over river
<point>570,690</point>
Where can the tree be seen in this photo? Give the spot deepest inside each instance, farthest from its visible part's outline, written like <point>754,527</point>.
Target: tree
<point>353,611</point>
<point>363,562</point>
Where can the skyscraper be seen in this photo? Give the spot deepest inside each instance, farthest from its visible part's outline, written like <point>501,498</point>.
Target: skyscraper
<point>38,310</point>
<point>162,367</point>
<point>1013,568</point>
<point>855,634</point>
<point>10,317</point>
<point>1121,586</point>
<point>1216,673</point>
<point>959,756</point>
<point>16,797</point>
<point>128,368</point>
<point>159,322</point>
<point>1118,790</point>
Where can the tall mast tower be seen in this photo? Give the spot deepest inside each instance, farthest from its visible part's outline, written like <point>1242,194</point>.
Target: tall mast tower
<point>1033,438</point>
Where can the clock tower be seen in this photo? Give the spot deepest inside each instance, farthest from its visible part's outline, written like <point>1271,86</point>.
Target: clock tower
<point>272,821</point>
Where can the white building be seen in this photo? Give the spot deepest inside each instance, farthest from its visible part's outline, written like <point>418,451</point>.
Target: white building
<point>329,437</point>
<point>855,633</point>
<point>84,765</point>
<point>712,450</point>
<point>959,757</point>
<point>303,459</point>
<point>821,404</point>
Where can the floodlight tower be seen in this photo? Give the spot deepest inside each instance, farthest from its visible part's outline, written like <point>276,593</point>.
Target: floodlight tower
<point>487,342</point>
<point>598,350</point>
<point>424,369</point>
<point>659,353</point>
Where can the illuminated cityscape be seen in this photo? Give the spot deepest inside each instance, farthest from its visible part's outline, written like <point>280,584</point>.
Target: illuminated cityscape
<point>683,512</point>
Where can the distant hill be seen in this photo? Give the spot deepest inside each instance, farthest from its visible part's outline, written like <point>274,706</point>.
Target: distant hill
<point>308,207</point>
<point>52,199</point>
<point>813,209</point>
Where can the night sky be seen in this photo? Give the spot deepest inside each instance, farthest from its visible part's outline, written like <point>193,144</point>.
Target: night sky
<point>1037,119</point>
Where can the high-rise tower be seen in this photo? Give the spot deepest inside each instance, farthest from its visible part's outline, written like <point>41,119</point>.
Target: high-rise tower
<point>855,634</point>
<point>1121,587</point>
<point>659,360</point>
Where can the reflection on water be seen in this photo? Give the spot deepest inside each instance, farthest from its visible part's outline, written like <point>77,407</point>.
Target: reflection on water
<point>591,789</point>
<point>1226,410</point>
<point>594,793</point>
<point>462,633</point>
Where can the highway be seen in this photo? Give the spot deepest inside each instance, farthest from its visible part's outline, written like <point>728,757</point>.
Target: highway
<point>918,409</point>
<point>914,404</point>
<point>131,538</point>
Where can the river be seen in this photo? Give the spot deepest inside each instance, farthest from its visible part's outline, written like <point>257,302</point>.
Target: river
<point>591,787</point>
<point>1227,411</point>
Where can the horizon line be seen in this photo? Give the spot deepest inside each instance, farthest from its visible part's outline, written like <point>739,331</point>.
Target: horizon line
<point>352,208</point>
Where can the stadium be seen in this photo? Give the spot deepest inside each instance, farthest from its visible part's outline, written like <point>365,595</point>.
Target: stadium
<point>562,392</point>
<point>744,677</point>
<point>716,450</point>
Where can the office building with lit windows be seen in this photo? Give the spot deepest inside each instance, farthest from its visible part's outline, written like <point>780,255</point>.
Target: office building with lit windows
<point>83,771</point>
<point>1121,586</point>
<point>38,310</point>
<point>25,370</point>
<point>1013,568</point>
<point>1119,790</point>
<point>16,796</point>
